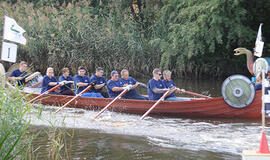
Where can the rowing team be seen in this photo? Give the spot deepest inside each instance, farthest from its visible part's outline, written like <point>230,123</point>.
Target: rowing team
<point>156,86</point>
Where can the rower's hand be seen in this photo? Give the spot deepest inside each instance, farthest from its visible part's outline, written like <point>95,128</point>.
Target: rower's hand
<point>93,83</point>
<point>63,83</point>
<point>70,82</point>
<point>128,87</point>
<point>182,90</point>
<point>20,78</point>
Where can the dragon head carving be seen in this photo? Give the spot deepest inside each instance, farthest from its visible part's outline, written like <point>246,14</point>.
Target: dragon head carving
<point>240,51</point>
<point>249,55</point>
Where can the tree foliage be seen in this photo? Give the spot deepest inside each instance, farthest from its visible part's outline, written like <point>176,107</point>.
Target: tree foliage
<point>190,37</point>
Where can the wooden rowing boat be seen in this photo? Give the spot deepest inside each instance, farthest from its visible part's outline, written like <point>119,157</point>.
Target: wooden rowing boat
<point>201,108</point>
<point>240,100</point>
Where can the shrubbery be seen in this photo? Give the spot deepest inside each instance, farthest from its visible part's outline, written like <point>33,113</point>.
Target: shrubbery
<point>189,37</point>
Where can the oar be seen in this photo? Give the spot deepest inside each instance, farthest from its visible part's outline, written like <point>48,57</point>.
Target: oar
<point>116,98</point>
<point>142,85</point>
<point>48,91</point>
<point>196,94</point>
<point>160,100</point>
<point>78,95</point>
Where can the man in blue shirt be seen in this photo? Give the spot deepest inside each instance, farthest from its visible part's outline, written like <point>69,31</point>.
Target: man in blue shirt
<point>49,81</point>
<point>156,88</point>
<point>19,74</point>
<point>128,80</point>
<point>100,82</point>
<point>66,89</point>
<point>81,81</point>
<point>168,82</point>
<point>114,85</point>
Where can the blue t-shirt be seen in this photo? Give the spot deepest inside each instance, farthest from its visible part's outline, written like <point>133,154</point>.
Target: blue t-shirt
<point>45,83</point>
<point>130,81</point>
<point>18,73</point>
<point>99,80</point>
<point>169,84</point>
<point>111,84</point>
<point>155,84</point>
<point>83,79</point>
<point>66,86</point>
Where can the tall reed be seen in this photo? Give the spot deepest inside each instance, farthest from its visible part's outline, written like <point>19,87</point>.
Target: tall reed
<point>14,138</point>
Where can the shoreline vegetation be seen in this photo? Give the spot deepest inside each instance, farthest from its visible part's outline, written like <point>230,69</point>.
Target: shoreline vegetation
<point>16,135</point>
<point>190,37</point>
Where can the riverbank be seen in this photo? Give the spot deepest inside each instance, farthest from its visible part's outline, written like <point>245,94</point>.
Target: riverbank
<point>192,38</point>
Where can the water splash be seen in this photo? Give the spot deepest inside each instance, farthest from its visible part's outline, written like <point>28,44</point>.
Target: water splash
<point>178,133</point>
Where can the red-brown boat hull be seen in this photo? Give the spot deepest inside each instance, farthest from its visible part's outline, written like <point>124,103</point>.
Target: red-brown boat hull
<point>208,108</point>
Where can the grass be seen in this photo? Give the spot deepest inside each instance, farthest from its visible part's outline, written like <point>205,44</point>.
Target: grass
<point>16,139</point>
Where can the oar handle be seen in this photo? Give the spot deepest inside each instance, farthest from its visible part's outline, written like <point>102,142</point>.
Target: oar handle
<point>160,100</point>
<point>47,92</point>
<point>196,94</point>
<point>116,98</point>
<point>78,95</point>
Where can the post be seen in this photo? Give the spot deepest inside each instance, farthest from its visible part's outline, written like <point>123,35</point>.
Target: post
<point>263,105</point>
<point>3,77</point>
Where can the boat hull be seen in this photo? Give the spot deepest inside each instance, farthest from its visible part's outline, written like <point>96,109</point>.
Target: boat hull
<point>208,108</point>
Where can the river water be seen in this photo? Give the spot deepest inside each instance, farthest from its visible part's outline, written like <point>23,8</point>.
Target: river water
<point>124,136</point>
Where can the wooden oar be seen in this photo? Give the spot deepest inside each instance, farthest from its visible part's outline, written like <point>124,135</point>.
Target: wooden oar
<point>196,94</point>
<point>78,95</point>
<point>142,85</point>
<point>48,91</point>
<point>160,100</point>
<point>116,98</point>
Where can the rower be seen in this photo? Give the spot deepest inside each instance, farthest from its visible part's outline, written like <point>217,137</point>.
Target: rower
<point>49,81</point>
<point>168,82</point>
<point>81,81</point>
<point>128,80</point>
<point>101,82</point>
<point>114,85</point>
<point>156,87</point>
<point>20,74</point>
<point>66,89</point>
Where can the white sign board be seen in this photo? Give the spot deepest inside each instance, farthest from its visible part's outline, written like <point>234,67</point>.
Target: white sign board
<point>13,32</point>
<point>258,48</point>
<point>9,52</point>
<point>259,43</point>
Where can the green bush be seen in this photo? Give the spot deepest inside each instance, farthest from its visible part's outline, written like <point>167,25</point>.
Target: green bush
<point>189,37</point>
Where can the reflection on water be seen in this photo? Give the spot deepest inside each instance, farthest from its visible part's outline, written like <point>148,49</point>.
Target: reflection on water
<point>124,136</point>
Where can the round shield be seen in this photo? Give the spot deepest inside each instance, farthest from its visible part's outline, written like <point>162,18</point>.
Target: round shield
<point>238,91</point>
<point>261,64</point>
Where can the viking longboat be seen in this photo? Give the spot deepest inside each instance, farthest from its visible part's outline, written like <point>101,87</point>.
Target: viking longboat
<point>240,100</point>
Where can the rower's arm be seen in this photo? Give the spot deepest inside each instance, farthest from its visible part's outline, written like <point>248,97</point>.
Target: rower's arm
<point>98,86</point>
<point>135,85</point>
<point>15,78</point>
<point>52,83</point>
<point>81,84</point>
<point>157,90</point>
<point>117,89</point>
